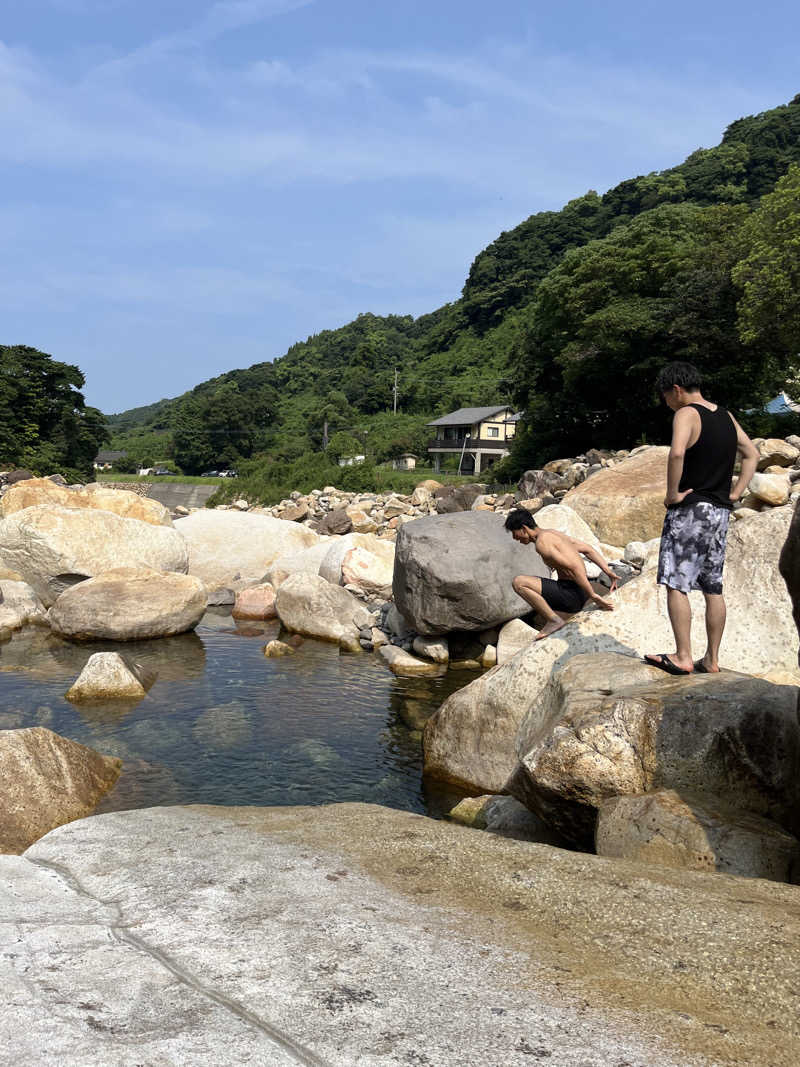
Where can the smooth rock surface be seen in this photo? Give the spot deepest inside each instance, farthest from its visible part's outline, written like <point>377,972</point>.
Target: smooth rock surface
<point>257,602</point>
<point>129,604</point>
<point>694,833</point>
<point>109,676</point>
<point>47,780</point>
<point>454,572</point>
<point>436,649</point>
<point>472,738</point>
<point>514,636</point>
<point>369,571</point>
<point>406,665</point>
<point>625,502</point>
<point>565,520</point>
<point>330,567</point>
<point>772,489</point>
<point>307,604</point>
<point>122,502</point>
<point>306,561</point>
<point>228,545</point>
<point>53,548</point>
<point>196,936</point>
<point>19,604</point>
<point>774,452</point>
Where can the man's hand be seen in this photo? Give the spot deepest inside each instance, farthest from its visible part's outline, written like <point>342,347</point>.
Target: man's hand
<point>614,583</point>
<point>677,498</point>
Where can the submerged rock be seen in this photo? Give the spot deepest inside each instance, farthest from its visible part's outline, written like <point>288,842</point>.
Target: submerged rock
<point>46,781</point>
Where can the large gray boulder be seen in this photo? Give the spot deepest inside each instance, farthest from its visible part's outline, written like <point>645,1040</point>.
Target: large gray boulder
<point>45,781</point>
<point>610,726</point>
<point>350,934</point>
<point>55,547</point>
<point>129,604</point>
<point>225,546</point>
<point>454,572</point>
<point>472,738</point>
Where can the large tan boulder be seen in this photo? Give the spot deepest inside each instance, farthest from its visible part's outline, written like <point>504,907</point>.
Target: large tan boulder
<point>121,502</point>
<point>110,676</point>
<point>471,739</point>
<point>337,548</point>
<point>370,571</point>
<point>129,604</point>
<point>307,604</point>
<point>609,725</point>
<point>227,545</point>
<point>565,520</point>
<point>772,489</point>
<point>693,832</point>
<point>306,561</point>
<point>54,547</point>
<point>625,502</point>
<point>45,781</point>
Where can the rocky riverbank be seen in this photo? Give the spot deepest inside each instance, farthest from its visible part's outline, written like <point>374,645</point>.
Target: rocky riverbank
<point>571,742</point>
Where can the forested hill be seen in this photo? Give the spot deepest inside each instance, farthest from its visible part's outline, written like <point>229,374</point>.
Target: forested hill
<point>566,316</point>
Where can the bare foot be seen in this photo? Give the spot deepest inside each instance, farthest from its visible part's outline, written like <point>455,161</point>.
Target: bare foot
<point>550,627</point>
<point>601,602</point>
<point>702,666</point>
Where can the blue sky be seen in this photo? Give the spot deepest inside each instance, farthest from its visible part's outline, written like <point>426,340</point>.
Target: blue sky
<point>190,187</point>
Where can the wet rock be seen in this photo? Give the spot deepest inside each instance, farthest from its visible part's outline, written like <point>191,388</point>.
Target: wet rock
<point>110,676</point>
<point>19,605</point>
<point>225,726</point>
<point>432,648</point>
<point>46,781</point>
<point>402,663</point>
<point>695,833</point>
<point>276,649</point>
<point>504,816</point>
<point>257,602</point>
<point>307,604</point>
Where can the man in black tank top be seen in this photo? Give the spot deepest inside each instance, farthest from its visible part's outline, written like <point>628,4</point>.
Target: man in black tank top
<point>705,441</point>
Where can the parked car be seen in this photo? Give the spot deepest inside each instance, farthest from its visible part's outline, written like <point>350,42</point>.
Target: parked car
<point>210,474</point>
<point>162,470</point>
<point>228,474</point>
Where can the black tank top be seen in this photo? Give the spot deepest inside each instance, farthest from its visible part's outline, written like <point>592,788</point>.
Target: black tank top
<point>708,463</point>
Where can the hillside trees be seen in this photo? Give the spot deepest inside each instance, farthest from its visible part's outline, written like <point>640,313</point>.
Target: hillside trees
<point>45,424</point>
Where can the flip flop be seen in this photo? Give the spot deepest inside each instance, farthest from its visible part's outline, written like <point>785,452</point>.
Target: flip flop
<point>700,668</point>
<point>664,663</point>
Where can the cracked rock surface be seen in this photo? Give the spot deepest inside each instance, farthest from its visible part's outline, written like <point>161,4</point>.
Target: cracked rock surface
<point>353,934</point>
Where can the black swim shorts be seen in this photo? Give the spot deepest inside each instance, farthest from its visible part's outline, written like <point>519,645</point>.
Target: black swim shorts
<point>563,595</point>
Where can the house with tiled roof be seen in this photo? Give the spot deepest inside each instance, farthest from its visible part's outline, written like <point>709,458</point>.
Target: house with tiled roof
<point>478,436</point>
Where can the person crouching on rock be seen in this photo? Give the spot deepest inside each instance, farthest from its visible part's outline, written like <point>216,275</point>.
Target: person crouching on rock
<point>705,442</point>
<point>569,593</point>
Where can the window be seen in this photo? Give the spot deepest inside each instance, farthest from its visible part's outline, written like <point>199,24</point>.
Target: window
<point>492,431</point>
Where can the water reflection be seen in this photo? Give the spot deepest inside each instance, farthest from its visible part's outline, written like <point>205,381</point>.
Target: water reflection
<point>223,724</point>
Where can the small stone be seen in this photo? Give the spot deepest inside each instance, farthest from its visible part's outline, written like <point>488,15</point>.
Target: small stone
<point>274,649</point>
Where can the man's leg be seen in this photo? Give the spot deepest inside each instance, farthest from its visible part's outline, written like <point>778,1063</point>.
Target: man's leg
<point>530,589</point>
<point>716,613</point>
<point>680,617</point>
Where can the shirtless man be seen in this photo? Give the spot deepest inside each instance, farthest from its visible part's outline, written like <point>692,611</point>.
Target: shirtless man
<point>559,599</point>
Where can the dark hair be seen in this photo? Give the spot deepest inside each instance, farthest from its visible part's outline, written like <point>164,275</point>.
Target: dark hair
<point>683,374</point>
<point>518,518</point>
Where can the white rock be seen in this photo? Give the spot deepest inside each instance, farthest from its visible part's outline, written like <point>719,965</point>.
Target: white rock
<point>307,604</point>
<point>433,648</point>
<point>772,489</point>
<point>403,663</point>
<point>513,636</point>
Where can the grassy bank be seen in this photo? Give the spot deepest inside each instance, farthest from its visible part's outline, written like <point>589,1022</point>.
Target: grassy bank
<point>184,479</point>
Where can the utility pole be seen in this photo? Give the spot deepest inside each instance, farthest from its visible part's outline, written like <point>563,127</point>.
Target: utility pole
<point>395,390</point>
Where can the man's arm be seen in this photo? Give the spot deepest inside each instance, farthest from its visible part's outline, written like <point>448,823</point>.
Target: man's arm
<point>682,425</point>
<point>749,453</point>
<point>564,554</point>
<point>596,557</point>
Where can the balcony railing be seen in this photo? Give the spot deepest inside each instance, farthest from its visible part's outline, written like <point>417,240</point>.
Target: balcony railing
<point>455,444</point>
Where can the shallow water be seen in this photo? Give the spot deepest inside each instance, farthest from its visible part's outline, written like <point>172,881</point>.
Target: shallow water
<point>225,725</point>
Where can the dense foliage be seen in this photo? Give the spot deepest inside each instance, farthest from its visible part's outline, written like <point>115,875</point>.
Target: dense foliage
<point>45,425</point>
<point>567,316</point>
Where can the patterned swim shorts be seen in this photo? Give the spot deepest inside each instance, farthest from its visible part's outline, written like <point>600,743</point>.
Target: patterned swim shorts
<point>692,550</point>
